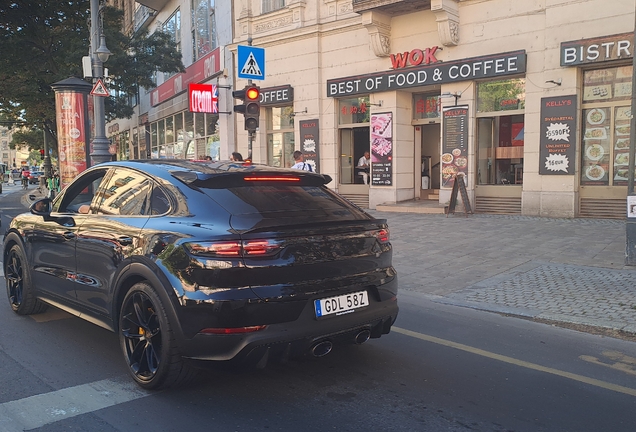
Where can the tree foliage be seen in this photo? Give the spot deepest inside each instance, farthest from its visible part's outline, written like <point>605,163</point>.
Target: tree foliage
<point>43,42</point>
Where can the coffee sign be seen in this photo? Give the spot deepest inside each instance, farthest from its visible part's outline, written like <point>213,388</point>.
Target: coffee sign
<point>281,95</point>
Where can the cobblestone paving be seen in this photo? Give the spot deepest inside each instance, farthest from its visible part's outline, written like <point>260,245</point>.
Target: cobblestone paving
<point>591,296</point>
<point>570,270</point>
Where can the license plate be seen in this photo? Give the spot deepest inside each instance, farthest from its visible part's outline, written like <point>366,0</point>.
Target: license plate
<point>341,305</point>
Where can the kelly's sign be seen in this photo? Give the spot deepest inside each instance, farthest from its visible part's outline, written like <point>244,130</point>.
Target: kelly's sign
<point>439,73</point>
<point>558,135</point>
<point>618,47</point>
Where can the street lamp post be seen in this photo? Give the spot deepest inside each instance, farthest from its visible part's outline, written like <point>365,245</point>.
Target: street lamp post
<point>47,158</point>
<point>630,225</point>
<point>99,145</point>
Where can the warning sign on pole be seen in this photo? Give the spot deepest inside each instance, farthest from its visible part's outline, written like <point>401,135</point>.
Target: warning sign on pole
<point>99,89</point>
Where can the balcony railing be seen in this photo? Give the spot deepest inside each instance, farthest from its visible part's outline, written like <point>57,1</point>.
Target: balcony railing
<point>142,16</point>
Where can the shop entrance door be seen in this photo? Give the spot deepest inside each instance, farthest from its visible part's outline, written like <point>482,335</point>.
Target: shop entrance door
<point>430,158</point>
<point>353,143</point>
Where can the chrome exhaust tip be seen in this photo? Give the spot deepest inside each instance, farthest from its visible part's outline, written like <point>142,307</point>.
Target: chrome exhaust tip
<point>362,336</point>
<point>321,349</point>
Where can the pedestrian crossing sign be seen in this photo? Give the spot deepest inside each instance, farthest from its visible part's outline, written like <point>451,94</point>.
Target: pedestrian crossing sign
<point>251,62</point>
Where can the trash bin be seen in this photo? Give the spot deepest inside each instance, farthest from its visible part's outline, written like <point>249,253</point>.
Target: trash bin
<point>425,182</point>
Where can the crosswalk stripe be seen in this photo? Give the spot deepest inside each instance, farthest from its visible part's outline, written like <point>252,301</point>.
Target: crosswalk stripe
<point>39,410</point>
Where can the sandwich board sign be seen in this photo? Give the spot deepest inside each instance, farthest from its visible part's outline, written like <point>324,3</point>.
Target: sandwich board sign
<point>251,62</point>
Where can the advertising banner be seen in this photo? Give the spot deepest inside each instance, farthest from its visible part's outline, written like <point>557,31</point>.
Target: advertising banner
<point>71,134</point>
<point>382,149</point>
<point>309,142</point>
<point>558,135</point>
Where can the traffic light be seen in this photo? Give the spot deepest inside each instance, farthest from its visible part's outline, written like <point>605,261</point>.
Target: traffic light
<point>42,152</point>
<point>251,107</point>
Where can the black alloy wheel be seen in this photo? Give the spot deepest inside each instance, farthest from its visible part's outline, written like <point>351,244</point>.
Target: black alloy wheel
<point>18,280</point>
<point>147,342</point>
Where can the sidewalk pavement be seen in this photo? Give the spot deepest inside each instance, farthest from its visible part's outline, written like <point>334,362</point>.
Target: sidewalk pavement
<point>566,270</point>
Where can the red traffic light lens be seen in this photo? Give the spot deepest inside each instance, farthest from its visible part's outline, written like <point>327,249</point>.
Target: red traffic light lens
<point>252,93</point>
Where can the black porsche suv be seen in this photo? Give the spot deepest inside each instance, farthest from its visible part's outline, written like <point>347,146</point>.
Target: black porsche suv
<point>193,261</point>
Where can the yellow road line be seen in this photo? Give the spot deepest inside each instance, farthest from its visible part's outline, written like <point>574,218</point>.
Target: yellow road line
<point>514,361</point>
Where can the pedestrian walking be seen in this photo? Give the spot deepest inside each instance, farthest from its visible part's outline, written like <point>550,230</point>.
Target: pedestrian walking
<point>300,162</point>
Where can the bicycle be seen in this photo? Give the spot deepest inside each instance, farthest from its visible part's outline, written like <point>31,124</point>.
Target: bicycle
<point>25,183</point>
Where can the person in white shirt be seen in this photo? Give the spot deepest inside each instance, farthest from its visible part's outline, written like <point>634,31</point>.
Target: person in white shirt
<point>300,162</point>
<point>364,163</point>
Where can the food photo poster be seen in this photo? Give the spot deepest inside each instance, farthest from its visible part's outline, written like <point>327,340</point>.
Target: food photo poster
<point>382,149</point>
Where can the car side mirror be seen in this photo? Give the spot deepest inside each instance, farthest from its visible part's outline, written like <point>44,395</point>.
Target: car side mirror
<point>44,207</point>
<point>41,207</point>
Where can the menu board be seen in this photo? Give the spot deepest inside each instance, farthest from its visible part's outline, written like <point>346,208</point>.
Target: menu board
<point>620,159</point>
<point>382,149</point>
<point>558,131</point>
<point>71,134</point>
<point>309,142</point>
<point>454,157</point>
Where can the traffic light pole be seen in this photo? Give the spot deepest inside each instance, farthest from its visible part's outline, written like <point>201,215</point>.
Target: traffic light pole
<point>250,134</point>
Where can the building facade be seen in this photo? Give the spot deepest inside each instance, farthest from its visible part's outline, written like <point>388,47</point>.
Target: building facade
<point>528,100</point>
<point>163,125</point>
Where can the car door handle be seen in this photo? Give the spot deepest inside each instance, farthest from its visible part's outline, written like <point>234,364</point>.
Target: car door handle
<point>125,241</point>
<point>69,235</point>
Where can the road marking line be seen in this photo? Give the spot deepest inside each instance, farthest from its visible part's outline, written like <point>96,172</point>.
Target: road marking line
<point>39,410</point>
<point>514,361</point>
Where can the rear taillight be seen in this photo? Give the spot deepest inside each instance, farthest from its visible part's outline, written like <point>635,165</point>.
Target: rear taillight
<point>236,249</point>
<point>382,235</point>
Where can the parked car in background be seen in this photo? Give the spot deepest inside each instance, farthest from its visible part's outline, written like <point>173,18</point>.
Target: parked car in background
<point>34,177</point>
<point>205,262</point>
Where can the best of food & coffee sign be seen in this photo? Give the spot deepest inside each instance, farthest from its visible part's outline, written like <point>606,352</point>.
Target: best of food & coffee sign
<point>558,135</point>
<point>437,73</point>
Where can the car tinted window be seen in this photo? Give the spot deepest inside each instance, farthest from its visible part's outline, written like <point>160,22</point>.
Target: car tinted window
<point>159,203</point>
<point>80,192</point>
<point>126,193</point>
<point>317,201</point>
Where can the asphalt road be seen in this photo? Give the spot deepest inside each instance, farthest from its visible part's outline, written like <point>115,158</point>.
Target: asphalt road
<point>443,368</point>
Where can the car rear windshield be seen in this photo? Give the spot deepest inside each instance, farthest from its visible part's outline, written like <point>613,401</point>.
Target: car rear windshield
<point>286,201</point>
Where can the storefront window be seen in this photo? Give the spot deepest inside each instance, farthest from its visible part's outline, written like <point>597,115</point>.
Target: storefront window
<point>500,132</point>
<point>501,95</point>
<point>354,137</point>
<point>426,106</point>
<point>174,136</point>
<point>153,141</point>
<point>280,136</point>
<point>213,144</point>
<point>203,28</point>
<point>123,146</point>
<point>606,126</point>
<point>353,110</point>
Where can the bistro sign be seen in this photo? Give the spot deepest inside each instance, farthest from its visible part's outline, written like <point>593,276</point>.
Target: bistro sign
<point>618,47</point>
<point>439,73</point>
